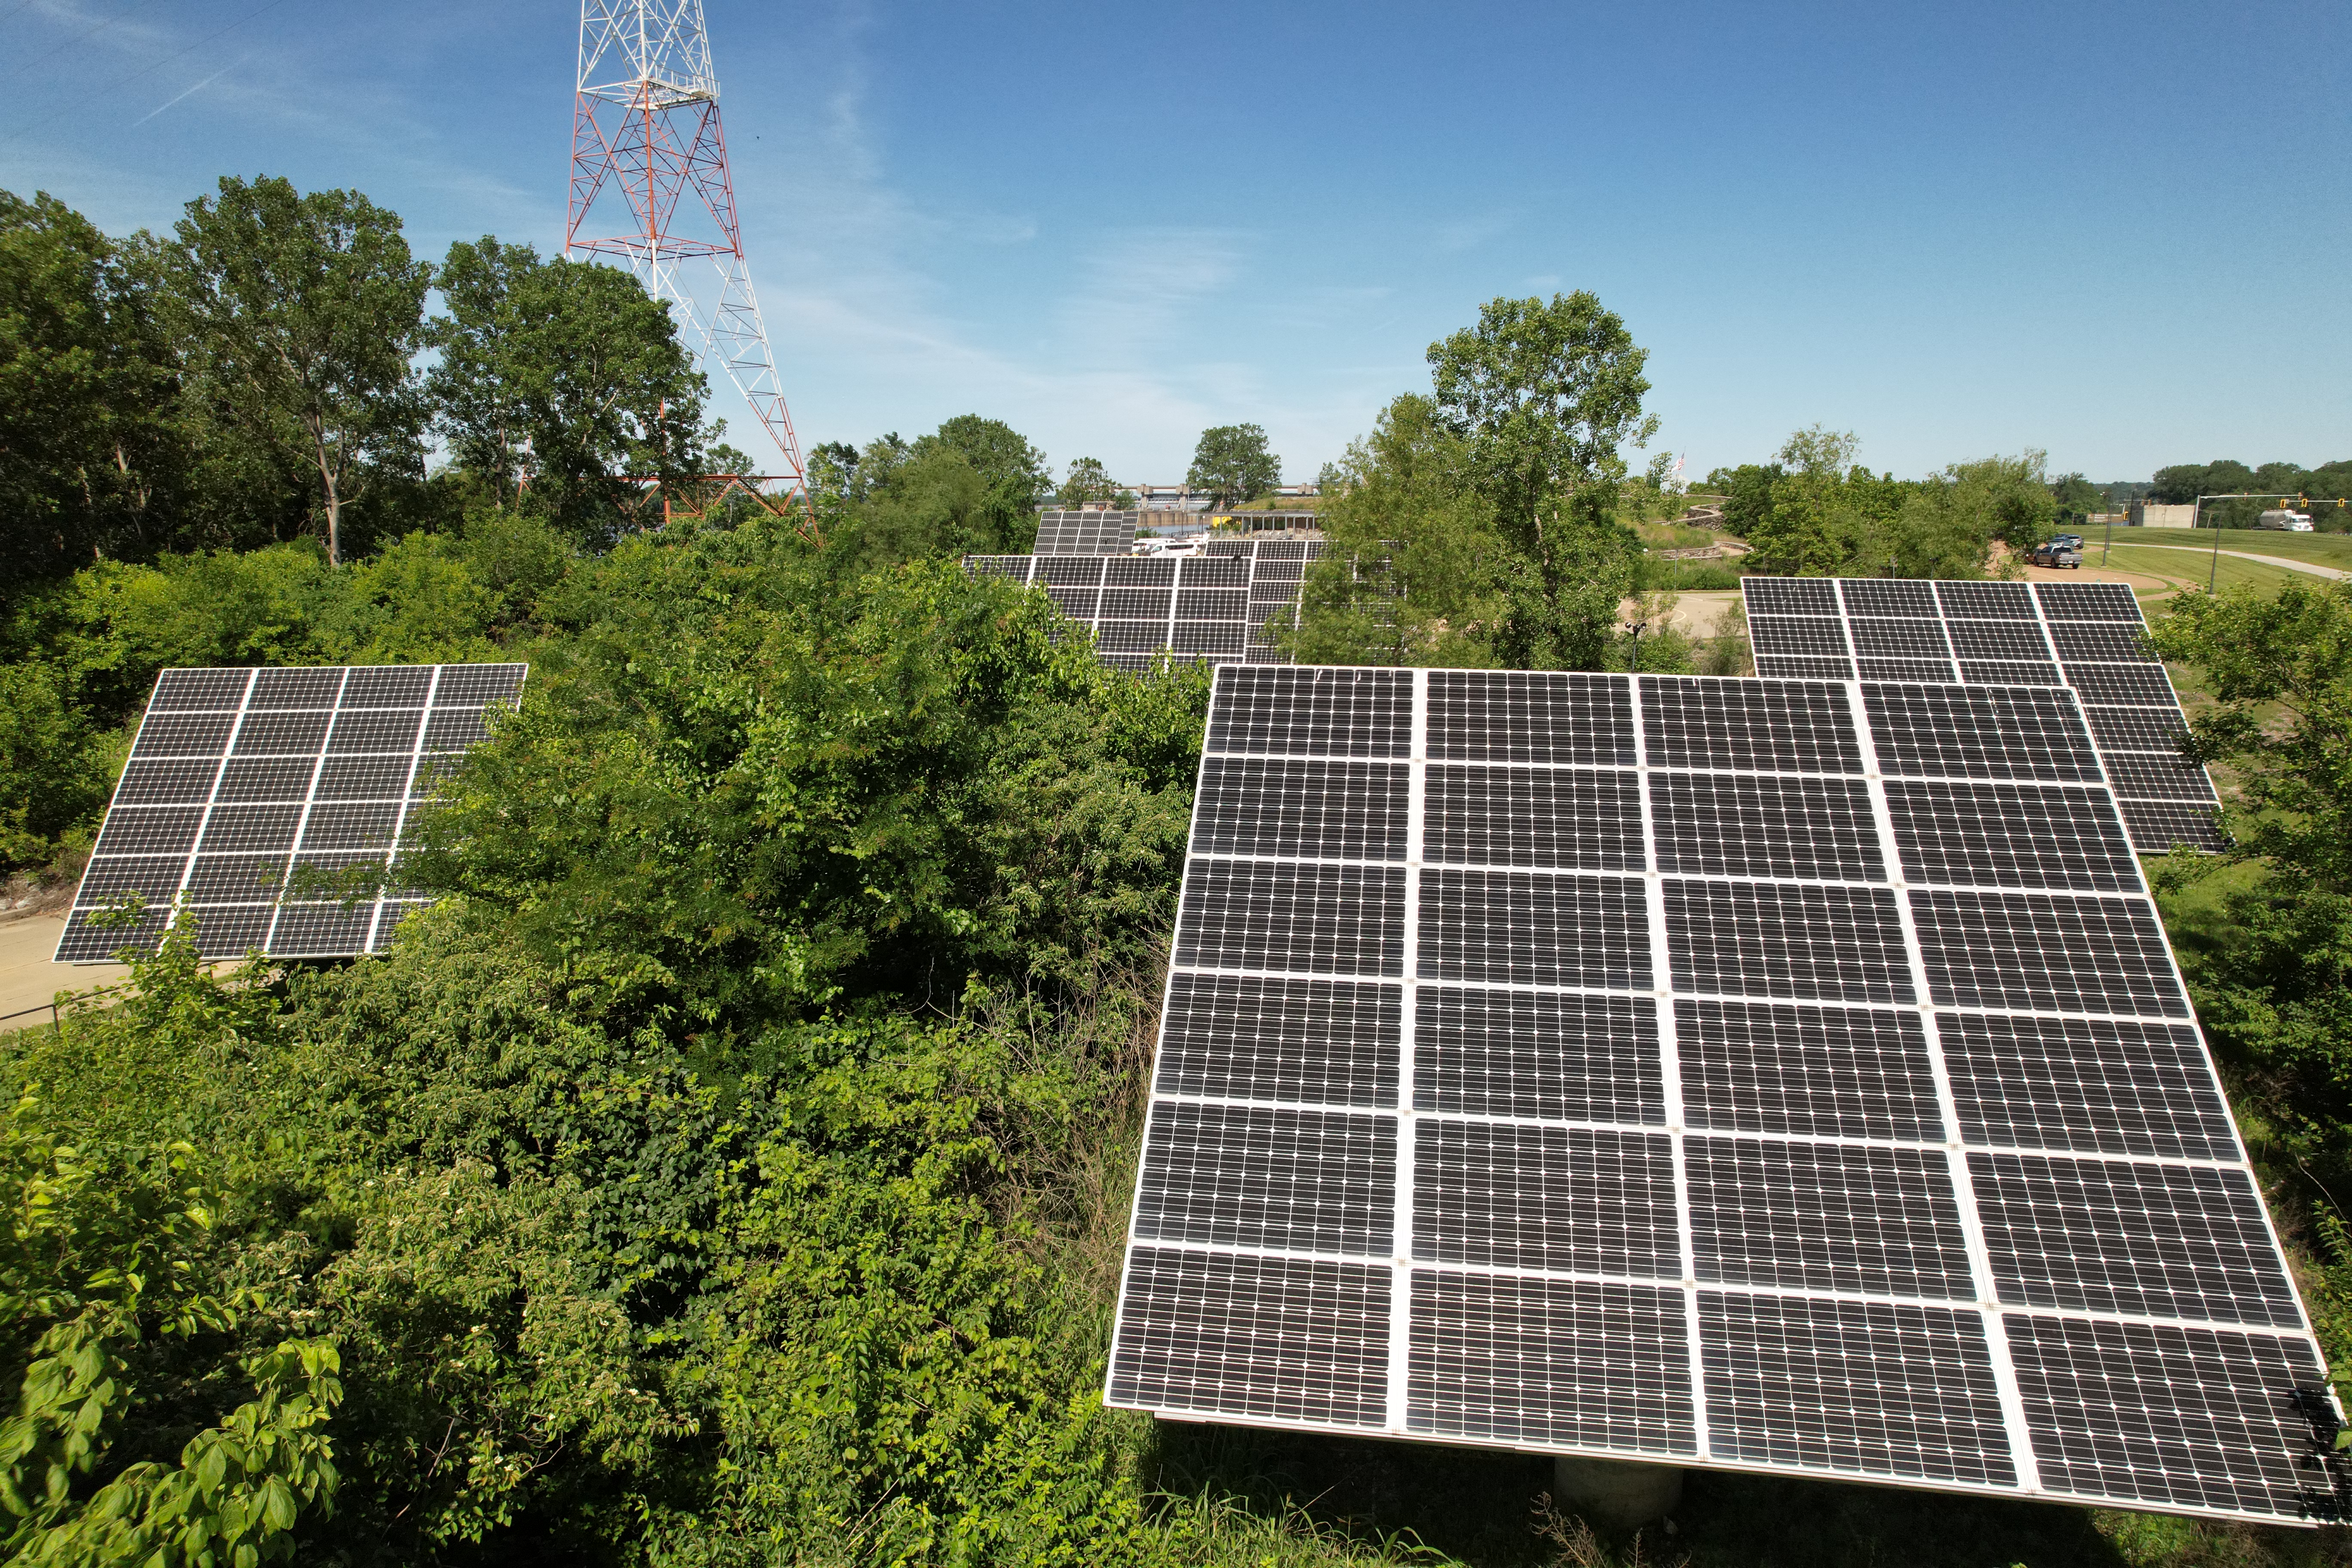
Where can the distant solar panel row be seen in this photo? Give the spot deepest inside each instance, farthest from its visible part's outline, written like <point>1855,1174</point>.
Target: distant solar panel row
<point>254,798</point>
<point>1784,1076</point>
<point>2088,636</point>
<point>1224,605</point>
<point>1086,533</point>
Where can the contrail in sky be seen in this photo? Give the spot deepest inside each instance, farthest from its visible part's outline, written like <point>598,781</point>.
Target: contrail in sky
<point>198,87</point>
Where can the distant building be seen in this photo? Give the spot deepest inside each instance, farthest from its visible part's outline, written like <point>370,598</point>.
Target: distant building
<point>2154,514</point>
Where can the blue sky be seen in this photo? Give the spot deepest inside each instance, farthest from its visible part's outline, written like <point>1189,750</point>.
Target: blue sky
<point>2120,232</point>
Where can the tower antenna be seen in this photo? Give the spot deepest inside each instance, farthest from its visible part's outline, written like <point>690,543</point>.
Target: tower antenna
<point>645,126</point>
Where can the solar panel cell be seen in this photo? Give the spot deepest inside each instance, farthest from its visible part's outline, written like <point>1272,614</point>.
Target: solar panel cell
<point>1900,639</point>
<point>229,931</point>
<point>1520,928</point>
<point>387,685</point>
<point>1276,1339</point>
<point>2010,836</point>
<point>1537,1056</point>
<point>2136,728</point>
<point>2191,1417</point>
<point>1268,1177</point>
<point>1302,808</point>
<point>1985,601</point>
<point>1999,639</point>
<point>1859,1387</point>
<point>2036,953</point>
<point>250,829</point>
<point>166,781</point>
<point>1327,712</point>
<point>1783,666</point>
<point>1508,716</point>
<point>1888,596</point>
<point>2157,826</point>
<point>1555,818</point>
<point>236,878</point>
<point>96,933</point>
<point>1775,726</point>
<point>249,780</point>
<point>185,734</point>
<point>1769,939</point>
<point>2092,1086</point>
<point>1837,1072</point>
<point>1826,1216</point>
<point>1561,1363</point>
<point>2137,685</point>
<point>149,830</point>
<point>2087,602</point>
<point>1815,636</point>
<point>2107,642</point>
<point>1764,825</point>
<point>296,731</point>
<point>1979,733</point>
<point>1793,596</point>
<point>1903,670</point>
<point>1559,1199</point>
<point>180,691</point>
<point>276,689</point>
<point>375,729</point>
<point>2131,1236</point>
<point>2151,775</point>
<point>155,878</point>
<point>1275,915</point>
<point>1238,1037</point>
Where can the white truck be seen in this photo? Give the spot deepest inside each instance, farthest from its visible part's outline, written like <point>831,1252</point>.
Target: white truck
<point>2285,522</point>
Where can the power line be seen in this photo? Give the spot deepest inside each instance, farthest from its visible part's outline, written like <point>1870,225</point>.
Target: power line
<point>159,64</point>
<point>88,33</point>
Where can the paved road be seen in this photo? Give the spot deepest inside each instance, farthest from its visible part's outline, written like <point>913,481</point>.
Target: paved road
<point>2310,566</point>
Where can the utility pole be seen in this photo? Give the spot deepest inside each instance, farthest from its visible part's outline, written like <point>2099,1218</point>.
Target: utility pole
<point>2196,520</point>
<point>644,127</point>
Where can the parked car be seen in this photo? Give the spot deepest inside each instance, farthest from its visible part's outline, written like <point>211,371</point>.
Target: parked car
<point>2062,551</point>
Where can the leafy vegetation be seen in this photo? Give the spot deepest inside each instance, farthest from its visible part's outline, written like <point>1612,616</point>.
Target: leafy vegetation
<point>732,1167</point>
<point>1233,465</point>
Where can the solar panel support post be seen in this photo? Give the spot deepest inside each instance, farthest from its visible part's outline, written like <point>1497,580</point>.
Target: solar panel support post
<point>1615,1495</point>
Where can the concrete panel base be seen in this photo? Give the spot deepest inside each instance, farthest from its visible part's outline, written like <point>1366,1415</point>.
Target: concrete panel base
<point>1614,1494</point>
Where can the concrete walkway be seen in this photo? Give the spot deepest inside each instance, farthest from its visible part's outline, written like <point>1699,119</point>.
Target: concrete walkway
<point>2313,567</point>
<point>28,981</point>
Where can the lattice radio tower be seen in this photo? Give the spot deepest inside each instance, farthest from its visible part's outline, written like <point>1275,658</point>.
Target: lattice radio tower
<point>645,126</point>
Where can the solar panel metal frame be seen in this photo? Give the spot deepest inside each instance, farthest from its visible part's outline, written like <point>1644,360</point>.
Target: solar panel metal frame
<point>1086,531</point>
<point>243,784</point>
<point>1278,1270</point>
<point>2087,635</point>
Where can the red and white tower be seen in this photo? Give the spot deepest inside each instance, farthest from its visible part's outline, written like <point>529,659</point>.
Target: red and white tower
<point>644,127</point>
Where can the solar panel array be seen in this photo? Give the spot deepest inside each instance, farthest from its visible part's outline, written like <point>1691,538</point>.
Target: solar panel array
<point>1785,1076</point>
<point>1138,608</point>
<point>2088,636</point>
<point>271,803</point>
<point>1086,533</point>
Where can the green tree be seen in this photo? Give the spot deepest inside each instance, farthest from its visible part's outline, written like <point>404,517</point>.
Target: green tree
<point>1004,458</point>
<point>1546,396</point>
<point>2077,498</point>
<point>297,316</point>
<point>563,377</point>
<point>86,390</point>
<point>1413,575</point>
<point>1230,462</point>
<point>1090,484</point>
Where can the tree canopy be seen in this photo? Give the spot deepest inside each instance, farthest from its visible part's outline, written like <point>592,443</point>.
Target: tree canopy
<point>1232,464</point>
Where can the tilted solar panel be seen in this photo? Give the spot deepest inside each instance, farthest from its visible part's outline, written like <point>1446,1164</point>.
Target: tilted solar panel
<point>2088,636</point>
<point>1140,608</point>
<point>1782,1076</point>
<point>270,802</point>
<point>1085,531</point>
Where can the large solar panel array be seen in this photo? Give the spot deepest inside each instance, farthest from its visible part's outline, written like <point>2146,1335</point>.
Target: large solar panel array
<point>2088,636</point>
<point>1086,533</point>
<point>1781,1076</point>
<point>249,792</point>
<point>1142,606</point>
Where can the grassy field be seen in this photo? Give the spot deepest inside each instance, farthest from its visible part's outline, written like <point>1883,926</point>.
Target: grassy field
<point>2320,549</point>
<point>2185,569</point>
